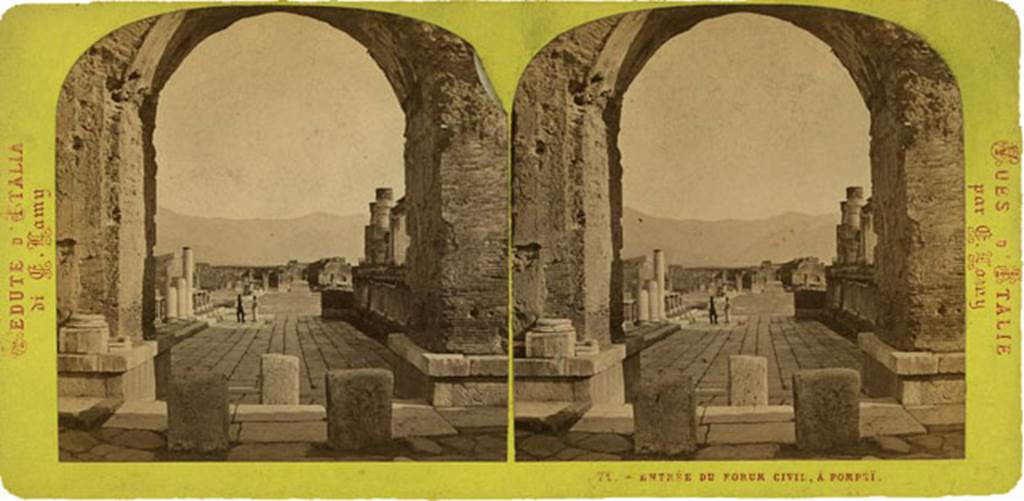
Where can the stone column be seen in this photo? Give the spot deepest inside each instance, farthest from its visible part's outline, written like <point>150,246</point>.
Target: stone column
<point>868,237</point>
<point>659,277</point>
<point>183,297</point>
<point>652,300</point>
<point>643,306</point>
<point>188,270</point>
<point>266,281</point>
<point>171,300</point>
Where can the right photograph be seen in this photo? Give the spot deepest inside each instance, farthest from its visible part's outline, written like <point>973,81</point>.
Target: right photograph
<point>738,234</point>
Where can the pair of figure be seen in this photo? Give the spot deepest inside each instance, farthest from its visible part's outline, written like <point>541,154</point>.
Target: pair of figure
<point>713,313</point>
<point>240,309</point>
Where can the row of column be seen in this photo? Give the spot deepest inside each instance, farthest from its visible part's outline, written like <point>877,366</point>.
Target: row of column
<point>179,294</point>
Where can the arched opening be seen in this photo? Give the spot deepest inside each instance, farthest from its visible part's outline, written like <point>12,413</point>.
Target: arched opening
<point>441,291</point>
<point>567,189</point>
<point>736,139</point>
<point>269,139</point>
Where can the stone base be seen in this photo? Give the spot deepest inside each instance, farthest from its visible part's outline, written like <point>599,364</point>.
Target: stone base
<point>595,379</point>
<point>448,379</point>
<point>913,378</point>
<point>125,374</point>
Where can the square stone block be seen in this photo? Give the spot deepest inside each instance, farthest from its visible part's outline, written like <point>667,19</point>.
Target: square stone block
<point>358,408</point>
<point>197,412</point>
<point>84,340</point>
<point>665,418</point>
<point>551,344</point>
<point>826,406</point>
<point>279,379</point>
<point>748,380</point>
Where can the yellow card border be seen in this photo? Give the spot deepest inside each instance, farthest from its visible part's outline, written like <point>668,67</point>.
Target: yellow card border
<point>979,40</point>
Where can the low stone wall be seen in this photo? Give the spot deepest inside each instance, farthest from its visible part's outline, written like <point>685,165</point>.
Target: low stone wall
<point>809,303</point>
<point>381,291</point>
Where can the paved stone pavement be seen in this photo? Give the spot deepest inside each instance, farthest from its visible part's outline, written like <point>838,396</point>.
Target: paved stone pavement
<point>702,351</point>
<point>113,444</point>
<point>288,323</point>
<point>583,446</point>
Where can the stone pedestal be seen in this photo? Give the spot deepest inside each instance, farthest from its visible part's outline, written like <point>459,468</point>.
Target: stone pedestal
<point>748,380</point>
<point>88,365</point>
<point>197,412</point>
<point>84,334</point>
<point>596,378</point>
<point>358,408</point>
<point>665,417</point>
<point>448,379</point>
<point>826,407</point>
<point>551,338</point>
<point>920,380</point>
<point>279,379</point>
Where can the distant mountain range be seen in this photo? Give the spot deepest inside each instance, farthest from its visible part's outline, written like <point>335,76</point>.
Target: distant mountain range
<point>731,242</point>
<point>261,241</point>
<point>687,242</point>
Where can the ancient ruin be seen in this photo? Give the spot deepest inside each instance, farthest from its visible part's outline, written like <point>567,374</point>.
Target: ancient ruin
<point>567,230</point>
<point>119,305</point>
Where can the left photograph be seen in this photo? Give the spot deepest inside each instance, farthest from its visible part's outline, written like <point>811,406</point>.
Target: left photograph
<point>282,236</point>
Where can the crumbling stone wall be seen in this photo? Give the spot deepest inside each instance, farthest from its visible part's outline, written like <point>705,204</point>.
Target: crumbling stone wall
<point>567,192</point>
<point>456,143</point>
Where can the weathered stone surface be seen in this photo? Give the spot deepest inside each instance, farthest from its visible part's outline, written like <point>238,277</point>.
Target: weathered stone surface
<point>735,414</point>
<point>279,379</point>
<point>541,446</point>
<point>665,417</point>
<point>826,405</point>
<point>423,445</point>
<point>418,420</point>
<point>748,380</point>
<point>252,412</point>
<point>887,419</point>
<point>605,442</point>
<point>269,452</point>
<point>140,415</point>
<point>197,412</point>
<point>752,452</point>
<point>76,441</point>
<point>751,433</point>
<point>358,408</point>
<point>264,432</point>
<point>551,344</point>
<point>139,439</point>
<point>475,417</point>
<point>607,418</point>
<point>892,444</point>
<point>130,456</point>
<point>938,415</point>
<point>83,339</point>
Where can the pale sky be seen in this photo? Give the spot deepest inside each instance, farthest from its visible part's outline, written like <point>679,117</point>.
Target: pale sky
<point>742,117</point>
<point>277,116</point>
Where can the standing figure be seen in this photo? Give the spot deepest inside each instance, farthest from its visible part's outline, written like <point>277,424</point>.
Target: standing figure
<point>712,314</point>
<point>240,310</point>
<point>255,309</point>
<point>726,309</point>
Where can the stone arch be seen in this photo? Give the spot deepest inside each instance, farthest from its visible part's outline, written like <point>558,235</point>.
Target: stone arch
<point>455,147</point>
<point>566,179</point>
